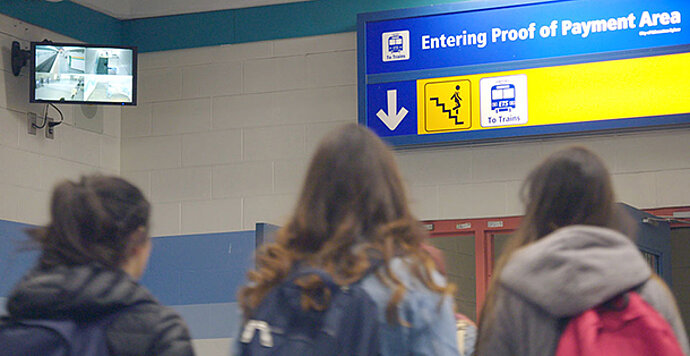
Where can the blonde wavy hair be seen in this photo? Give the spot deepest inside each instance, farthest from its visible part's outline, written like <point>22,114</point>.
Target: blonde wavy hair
<point>352,210</point>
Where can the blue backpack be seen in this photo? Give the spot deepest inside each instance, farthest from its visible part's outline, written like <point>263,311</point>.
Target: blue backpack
<point>26,337</point>
<point>279,326</point>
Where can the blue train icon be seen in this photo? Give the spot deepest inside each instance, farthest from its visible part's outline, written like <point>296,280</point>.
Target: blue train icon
<point>503,97</point>
<point>395,44</point>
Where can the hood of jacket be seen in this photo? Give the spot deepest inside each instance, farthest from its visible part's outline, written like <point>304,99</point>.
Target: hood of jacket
<point>78,292</point>
<point>575,268</point>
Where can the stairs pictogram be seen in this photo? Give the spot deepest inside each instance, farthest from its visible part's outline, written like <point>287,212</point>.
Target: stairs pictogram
<point>449,112</point>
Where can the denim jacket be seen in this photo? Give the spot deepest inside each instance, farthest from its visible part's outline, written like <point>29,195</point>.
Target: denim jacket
<point>432,329</point>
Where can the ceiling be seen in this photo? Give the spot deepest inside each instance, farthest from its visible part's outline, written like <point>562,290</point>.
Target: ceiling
<point>132,9</point>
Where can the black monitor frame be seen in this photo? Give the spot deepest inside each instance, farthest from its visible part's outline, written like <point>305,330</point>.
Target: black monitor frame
<point>32,73</point>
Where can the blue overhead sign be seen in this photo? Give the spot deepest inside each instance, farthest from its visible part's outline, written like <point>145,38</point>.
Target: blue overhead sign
<point>399,48</point>
<point>536,31</point>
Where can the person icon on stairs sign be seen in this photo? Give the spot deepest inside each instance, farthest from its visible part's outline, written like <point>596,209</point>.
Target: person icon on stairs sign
<point>456,97</point>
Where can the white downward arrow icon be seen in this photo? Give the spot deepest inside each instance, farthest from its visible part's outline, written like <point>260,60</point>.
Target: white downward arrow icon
<point>394,117</point>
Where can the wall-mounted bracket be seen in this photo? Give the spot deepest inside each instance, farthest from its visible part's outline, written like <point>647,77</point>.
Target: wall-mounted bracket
<point>19,58</point>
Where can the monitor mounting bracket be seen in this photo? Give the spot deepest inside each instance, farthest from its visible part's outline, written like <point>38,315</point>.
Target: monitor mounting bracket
<point>19,58</point>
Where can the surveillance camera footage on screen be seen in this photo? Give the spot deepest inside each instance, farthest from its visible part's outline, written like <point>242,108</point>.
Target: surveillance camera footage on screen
<point>83,74</point>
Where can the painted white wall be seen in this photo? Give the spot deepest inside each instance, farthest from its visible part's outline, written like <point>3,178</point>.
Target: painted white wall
<point>121,9</point>
<point>130,9</point>
<point>223,135</point>
<point>212,347</point>
<point>31,165</point>
<point>648,169</point>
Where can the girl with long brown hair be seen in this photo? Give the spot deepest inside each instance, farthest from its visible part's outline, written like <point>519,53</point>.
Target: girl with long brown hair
<point>569,255</point>
<point>353,211</point>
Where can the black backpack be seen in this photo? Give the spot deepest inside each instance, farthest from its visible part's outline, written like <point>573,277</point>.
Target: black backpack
<point>24,337</point>
<point>279,326</point>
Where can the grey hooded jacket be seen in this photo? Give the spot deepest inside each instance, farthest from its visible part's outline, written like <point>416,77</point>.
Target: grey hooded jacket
<point>560,276</point>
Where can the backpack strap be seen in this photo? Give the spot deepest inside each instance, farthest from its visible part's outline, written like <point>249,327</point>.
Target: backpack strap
<point>289,294</point>
<point>67,327</point>
<point>620,301</point>
<point>82,337</point>
<point>87,338</point>
<point>279,320</point>
<point>616,303</point>
<point>300,270</point>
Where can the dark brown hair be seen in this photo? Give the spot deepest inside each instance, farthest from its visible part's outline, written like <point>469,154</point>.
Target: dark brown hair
<point>91,221</point>
<point>571,187</point>
<point>352,208</point>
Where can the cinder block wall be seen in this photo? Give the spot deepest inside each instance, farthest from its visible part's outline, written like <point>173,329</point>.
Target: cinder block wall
<point>223,135</point>
<point>31,165</point>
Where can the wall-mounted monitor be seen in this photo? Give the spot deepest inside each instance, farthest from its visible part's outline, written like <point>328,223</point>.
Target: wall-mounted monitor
<point>83,74</point>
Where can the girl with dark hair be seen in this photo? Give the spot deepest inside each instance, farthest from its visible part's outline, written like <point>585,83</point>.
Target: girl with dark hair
<point>568,256</point>
<point>352,211</point>
<point>93,251</point>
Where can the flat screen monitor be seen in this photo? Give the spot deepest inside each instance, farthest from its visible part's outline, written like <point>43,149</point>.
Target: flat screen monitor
<point>83,74</point>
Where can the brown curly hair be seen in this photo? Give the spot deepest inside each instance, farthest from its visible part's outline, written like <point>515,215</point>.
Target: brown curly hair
<point>352,210</point>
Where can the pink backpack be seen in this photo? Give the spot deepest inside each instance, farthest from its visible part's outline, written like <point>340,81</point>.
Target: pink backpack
<point>627,326</point>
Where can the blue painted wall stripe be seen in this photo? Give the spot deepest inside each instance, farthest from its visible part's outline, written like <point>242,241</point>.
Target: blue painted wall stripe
<point>15,259</point>
<point>213,28</point>
<point>197,275</point>
<point>199,269</point>
<point>182,270</point>
<point>66,18</point>
<point>181,31</point>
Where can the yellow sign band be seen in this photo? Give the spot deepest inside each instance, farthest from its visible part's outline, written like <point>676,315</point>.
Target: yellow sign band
<point>617,89</point>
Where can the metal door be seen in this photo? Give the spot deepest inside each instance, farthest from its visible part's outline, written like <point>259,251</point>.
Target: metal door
<point>653,238</point>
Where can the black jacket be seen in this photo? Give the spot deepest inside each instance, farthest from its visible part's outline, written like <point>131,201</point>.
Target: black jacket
<point>90,292</point>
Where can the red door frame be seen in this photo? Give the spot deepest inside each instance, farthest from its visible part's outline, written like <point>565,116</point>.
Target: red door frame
<point>668,213</point>
<point>483,230</point>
